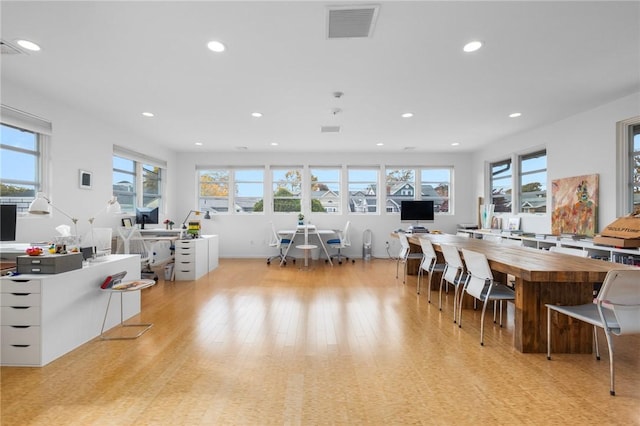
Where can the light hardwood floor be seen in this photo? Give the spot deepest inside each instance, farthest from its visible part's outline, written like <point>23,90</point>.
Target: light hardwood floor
<point>252,344</point>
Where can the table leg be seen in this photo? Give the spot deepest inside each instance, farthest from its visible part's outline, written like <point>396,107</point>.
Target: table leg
<point>530,330</point>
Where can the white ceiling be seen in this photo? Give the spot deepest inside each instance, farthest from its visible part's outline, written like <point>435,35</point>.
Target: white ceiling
<point>547,60</point>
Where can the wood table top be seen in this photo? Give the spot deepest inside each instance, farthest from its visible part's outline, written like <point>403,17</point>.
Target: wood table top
<point>530,264</point>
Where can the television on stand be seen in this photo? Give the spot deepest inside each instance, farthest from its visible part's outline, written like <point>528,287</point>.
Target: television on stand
<point>416,212</point>
<point>146,215</point>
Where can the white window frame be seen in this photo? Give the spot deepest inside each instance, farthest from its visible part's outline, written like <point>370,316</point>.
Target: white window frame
<point>624,158</point>
<point>379,182</point>
<point>338,169</point>
<point>43,130</point>
<point>141,160</point>
<point>520,175</point>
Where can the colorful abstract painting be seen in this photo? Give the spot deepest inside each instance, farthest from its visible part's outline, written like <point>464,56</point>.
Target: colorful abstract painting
<point>575,205</point>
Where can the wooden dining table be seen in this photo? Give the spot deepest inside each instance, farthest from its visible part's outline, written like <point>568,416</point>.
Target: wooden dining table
<point>541,277</point>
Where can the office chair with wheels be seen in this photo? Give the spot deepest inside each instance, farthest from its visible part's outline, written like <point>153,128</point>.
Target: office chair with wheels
<point>131,242</point>
<point>616,310</point>
<point>481,286</point>
<point>341,242</point>
<point>282,244</point>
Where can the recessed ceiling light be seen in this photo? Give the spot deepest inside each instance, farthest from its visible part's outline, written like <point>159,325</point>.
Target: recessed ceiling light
<point>515,115</point>
<point>256,114</point>
<point>148,114</point>
<point>455,144</point>
<point>379,144</point>
<point>274,143</point>
<point>472,46</point>
<point>29,45</point>
<point>198,144</point>
<point>407,115</point>
<point>216,46</point>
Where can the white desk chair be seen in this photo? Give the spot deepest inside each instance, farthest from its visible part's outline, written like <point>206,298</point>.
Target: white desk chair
<point>405,254</point>
<point>341,242</point>
<point>616,310</point>
<point>429,265</point>
<point>568,250</point>
<point>480,285</point>
<point>454,274</point>
<point>282,244</point>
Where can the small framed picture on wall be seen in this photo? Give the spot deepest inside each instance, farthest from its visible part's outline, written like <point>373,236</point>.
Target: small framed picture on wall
<point>127,222</point>
<point>85,179</point>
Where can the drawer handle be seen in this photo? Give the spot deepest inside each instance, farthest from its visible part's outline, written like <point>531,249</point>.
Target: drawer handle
<point>20,307</point>
<point>20,294</point>
<point>20,346</point>
<point>20,326</point>
<point>20,281</point>
<point>35,269</point>
<point>35,262</point>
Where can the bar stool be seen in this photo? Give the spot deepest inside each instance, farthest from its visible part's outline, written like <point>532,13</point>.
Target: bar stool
<point>121,288</point>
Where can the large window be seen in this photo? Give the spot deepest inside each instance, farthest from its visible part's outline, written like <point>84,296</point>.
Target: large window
<point>137,180</point>
<point>325,190</point>
<point>24,141</point>
<point>363,194</point>
<point>19,178</point>
<point>417,184</point>
<point>502,185</point>
<point>287,189</point>
<point>435,185</point>
<point>533,182</point>
<point>634,167</point>
<point>249,191</point>
<point>214,190</point>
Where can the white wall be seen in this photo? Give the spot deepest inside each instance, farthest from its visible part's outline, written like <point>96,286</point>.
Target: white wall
<point>579,145</point>
<point>79,141</point>
<point>248,235</point>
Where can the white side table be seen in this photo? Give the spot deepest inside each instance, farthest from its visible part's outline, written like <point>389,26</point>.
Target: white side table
<point>307,249</point>
<point>122,288</point>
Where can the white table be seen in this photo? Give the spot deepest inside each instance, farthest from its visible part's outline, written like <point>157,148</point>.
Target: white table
<point>306,230</point>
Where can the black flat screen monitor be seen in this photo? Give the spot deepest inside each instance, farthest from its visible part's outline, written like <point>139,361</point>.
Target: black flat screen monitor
<point>8,218</point>
<point>416,211</point>
<point>145,215</point>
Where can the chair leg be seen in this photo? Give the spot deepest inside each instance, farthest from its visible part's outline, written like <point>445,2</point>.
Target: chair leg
<point>440,293</point>
<point>418,281</point>
<point>607,334</point>
<point>484,308</point>
<point>595,342</point>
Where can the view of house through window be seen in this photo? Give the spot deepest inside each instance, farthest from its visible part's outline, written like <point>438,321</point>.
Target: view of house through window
<point>362,187</point>
<point>417,184</point>
<point>214,190</point>
<point>502,186</point>
<point>634,159</point>
<point>20,171</point>
<point>136,183</point>
<point>533,182</point>
<point>287,190</point>
<point>325,190</point>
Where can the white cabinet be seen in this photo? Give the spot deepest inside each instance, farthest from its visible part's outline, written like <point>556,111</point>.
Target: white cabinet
<point>44,316</point>
<point>194,258</point>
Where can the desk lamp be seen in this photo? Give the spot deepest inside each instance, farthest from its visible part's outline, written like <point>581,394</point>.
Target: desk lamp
<point>197,212</point>
<point>41,206</point>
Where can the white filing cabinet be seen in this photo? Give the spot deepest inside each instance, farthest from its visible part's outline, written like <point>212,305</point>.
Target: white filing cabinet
<point>44,316</point>
<point>20,319</point>
<point>194,258</point>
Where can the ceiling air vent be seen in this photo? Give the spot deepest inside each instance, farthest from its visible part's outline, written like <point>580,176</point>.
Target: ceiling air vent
<point>9,49</point>
<point>351,21</point>
<point>330,129</point>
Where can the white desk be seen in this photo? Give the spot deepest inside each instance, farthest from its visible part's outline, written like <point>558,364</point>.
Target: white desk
<point>47,315</point>
<point>306,230</point>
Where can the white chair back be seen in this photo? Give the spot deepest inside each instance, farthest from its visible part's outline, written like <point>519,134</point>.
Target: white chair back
<point>453,261</point>
<point>620,293</point>
<point>479,272</point>
<point>569,250</point>
<point>345,240</point>
<point>429,256</point>
<point>404,246</point>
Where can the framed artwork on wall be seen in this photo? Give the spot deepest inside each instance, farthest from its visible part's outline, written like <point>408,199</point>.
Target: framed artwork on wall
<point>575,205</point>
<point>127,222</point>
<point>85,179</point>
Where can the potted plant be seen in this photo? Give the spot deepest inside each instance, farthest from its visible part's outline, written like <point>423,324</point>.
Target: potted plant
<point>300,219</point>
<point>168,223</point>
